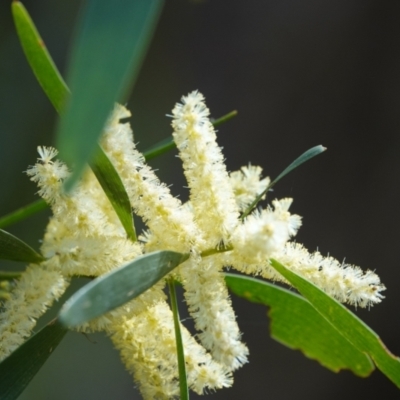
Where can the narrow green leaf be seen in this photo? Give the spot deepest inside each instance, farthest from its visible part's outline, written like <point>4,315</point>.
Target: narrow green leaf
<point>119,286</point>
<point>9,275</point>
<point>224,118</point>
<point>22,213</point>
<point>168,143</point>
<point>38,57</point>
<point>159,148</point>
<point>18,369</point>
<point>310,153</point>
<point>114,189</point>
<point>110,45</point>
<point>183,386</point>
<point>296,324</point>
<point>349,325</point>
<point>14,249</point>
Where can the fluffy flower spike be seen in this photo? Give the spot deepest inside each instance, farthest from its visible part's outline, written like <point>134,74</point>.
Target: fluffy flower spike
<point>85,237</point>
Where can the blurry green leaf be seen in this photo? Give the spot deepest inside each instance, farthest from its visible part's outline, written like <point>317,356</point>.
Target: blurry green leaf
<point>349,325</point>
<point>310,153</point>
<point>39,59</point>
<point>22,213</point>
<point>113,187</point>
<point>108,51</point>
<point>296,324</point>
<point>18,369</point>
<point>9,275</point>
<point>183,386</point>
<point>14,249</point>
<point>119,286</point>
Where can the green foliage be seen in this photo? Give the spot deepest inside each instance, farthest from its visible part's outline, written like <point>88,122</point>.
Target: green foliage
<point>119,286</point>
<point>38,57</point>
<point>350,326</point>
<point>110,45</point>
<point>296,324</point>
<point>22,213</point>
<point>18,369</point>
<point>14,249</point>
<point>113,187</point>
<point>310,153</point>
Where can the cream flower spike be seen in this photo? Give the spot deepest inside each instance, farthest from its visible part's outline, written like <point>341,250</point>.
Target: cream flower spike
<point>211,195</point>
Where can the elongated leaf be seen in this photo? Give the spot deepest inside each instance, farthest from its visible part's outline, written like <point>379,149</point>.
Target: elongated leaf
<point>310,153</point>
<point>296,324</point>
<point>349,325</point>
<point>119,286</point>
<point>22,213</point>
<point>39,59</point>
<point>14,249</point>
<point>183,386</point>
<point>113,187</point>
<point>110,45</point>
<point>18,369</point>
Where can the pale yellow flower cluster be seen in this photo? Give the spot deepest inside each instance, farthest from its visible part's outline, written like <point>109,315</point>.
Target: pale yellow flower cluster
<point>85,237</point>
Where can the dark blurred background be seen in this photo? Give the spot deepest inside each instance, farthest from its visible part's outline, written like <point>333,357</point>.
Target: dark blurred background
<point>300,73</point>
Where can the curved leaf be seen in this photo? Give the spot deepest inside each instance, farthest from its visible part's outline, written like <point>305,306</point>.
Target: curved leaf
<point>310,153</point>
<point>38,57</point>
<point>114,189</point>
<point>296,324</point>
<point>119,286</point>
<point>14,249</point>
<point>18,369</point>
<point>349,325</point>
<point>109,48</point>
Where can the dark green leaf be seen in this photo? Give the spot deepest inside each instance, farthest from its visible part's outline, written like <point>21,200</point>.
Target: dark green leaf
<point>295,323</point>
<point>18,369</point>
<point>310,153</point>
<point>183,386</point>
<point>119,286</point>
<point>39,59</point>
<point>113,187</point>
<point>9,275</point>
<point>110,45</point>
<point>22,213</point>
<point>349,325</point>
<point>14,249</point>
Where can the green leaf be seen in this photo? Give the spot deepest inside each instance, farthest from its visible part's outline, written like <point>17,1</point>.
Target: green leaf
<point>39,59</point>
<point>22,213</point>
<point>296,324</point>
<point>18,369</point>
<point>119,286</point>
<point>183,386</point>
<point>113,187</point>
<point>349,325</point>
<point>310,153</point>
<point>110,45</point>
<point>14,249</point>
